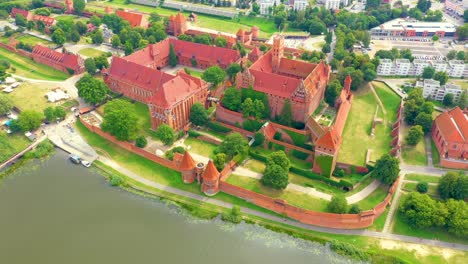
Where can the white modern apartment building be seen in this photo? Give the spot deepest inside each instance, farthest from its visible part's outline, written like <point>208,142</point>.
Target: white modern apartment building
<point>385,67</point>
<point>334,4</point>
<point>456,68</point>
<point>402,67</point>
<point>418,67</point>
<point>298,4</point>
<point>266,4</point>
<point>439,65</point>
<point>433,89</point>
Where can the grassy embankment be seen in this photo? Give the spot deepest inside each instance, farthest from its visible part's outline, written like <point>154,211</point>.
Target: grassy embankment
<point>356,134</point>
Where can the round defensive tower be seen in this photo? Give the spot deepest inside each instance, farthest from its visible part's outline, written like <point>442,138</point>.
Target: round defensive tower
<point>255,32</point>
<point>187,168</point>
<point>210,184</point>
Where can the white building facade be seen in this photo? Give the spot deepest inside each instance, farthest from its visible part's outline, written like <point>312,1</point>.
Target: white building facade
<point>456,68</point>
<point>403,67</point>
<point>432,89</point>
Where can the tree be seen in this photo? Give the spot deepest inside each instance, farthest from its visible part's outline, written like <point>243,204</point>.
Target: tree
<point>463,100</point>
<point>20,20</point>
<point>259,107</point>
<point>141,142</point>
<point>58,37</point>
<point>259,138</point>
<point>220,42</point>
<point>101,62</point>
<point>427,107</point>
<point>442,77</point>
<point>423,5</point>
<point>97,37</point>
<point>173,59</point>
<point>457,219</point>
<point>279,158</point>
<point>233,144</point>
<point>60,112</point>
<point>6,104</point>
<point>421,211</point>
<point>248,108</point>
<point>40,25</point>
<point>128,48</point>
<point>154,17</point>
<point>369,72</point>
<point>373,3</point>
<point>49,113</point>
<point>422,187</point>
<point>338,205</point>
<point>120,119</point>
<point>451,55</point>
<point>332,91</point>
<point>435,38</point>
<point>317,27</point>
<point>462,32</point>
<point>81,27</point>
<point>428,72</point>
<point>214,75</point>
<point>198,114</point>
<point>95,20</point>
<point>453,185</point>
<point>166,134</point>
<point>233,69</point>
<point>275,177</point>
<point>387,169</point>
<point>326,48</point>
<point>203,39</point>
<point>27,121</point>
<point>355,209</point>
<point>286,117</point>
<point>255,8</point>
<point>185,37</point>
<point>30,25</point>
<point>448,100</point>
<point>90,66</point>
<point>219,161</point>
<point>415,134</point>
<point>232,99</point>
<point>280,18</point>
<point>465,15</point>
<point>92,90</point>
<point>79,6</point>
<point>425,121</point>
<point>115,41</point>
<point>461,55</point>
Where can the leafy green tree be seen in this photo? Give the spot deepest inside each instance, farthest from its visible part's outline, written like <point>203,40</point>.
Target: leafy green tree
<point>248,107</point>
<point>141,142</point>
<point>442,77</point>
<point>115,41</point>
<point>425,121</point>
<point>453,185</point>
<point>463,100</point>
<point>79,6</point>
<point>421,211</point>
<point>6,104</point>
<point>286,117</point>
<point>387,169</point>
<point>120,119</point>
<point>415,134</point>
<point>279,158</point>
<point>317,27</point>
<point>423,5</point>
<point>90,66</point>
<point>166,134</point>
<point>233,144</point>
<point>60,112</point>
<point>457,219</point>
<point>461,55</point>
<point>97,37</point>
<point>332,91</point>
<point>220,42</point>
<point>128,49</point>
<point>259,109</point>
<point>101,62</point>
<point>422,187</point>
<point>451,55</point>
<point>198,115</point>
<point>338,205</point>
<point>448,100</point>
<point>259,138</point>
<point>280,19</point>
<point>214,75</point>
<point>203,39</point>
<point>40,26</point>
<point>58,37</point>
<point>20,20</point>
<point>81,27</point>
<point>74,36</point>
<point>27,121</point>
<point>219,161</point>
<point>465,15</point>
<point>185,37</point>
<point>30,25</point>
<point>92,90</point>
<point>49,113</point>
<point>173,59</point>
<point>428,72</point>
<point>154,17</point>
<point>232,99</point>
<point>233,69</point>
<point>95,20</point>
<point>427,107</point>
<point>275,177</point>
<point>326,48</point>
<point>355,209</point>
<point>435,38</point>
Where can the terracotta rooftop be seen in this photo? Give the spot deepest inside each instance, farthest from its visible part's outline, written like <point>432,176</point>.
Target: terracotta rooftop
<point>48,21</point>
<point>330,140</point>
<point>453,125</point>
<point>68,60</point>
<point>187,162</point>
<point>210,173</point>
<point>15,11</point>
<point>175,90</point>
<point>256,51</point>
<point>135,19</point>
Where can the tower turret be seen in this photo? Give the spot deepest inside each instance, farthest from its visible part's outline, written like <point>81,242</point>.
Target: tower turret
<point>210,184</point>
<point>278,52</point>
<point>187,168</point>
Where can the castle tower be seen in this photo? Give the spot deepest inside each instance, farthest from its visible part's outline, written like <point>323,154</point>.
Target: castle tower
<point>255,32</point>
<point>69,6</point>
<point>347,84</point>
<point>278,51</point>
<point>210,179</point>
<point>179,24</point>
<point>240,35</point>
<point>255,54</point>
<point>187,168</point>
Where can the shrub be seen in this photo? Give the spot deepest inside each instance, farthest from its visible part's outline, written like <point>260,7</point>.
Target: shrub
<point>193,133</point>
<point>116,180</point>
<point>259,139</point>
<point>354,209</point>
<point>299,154</point>
<point>141,142</point>
<point>349,250</point>
<point>235,216</point>
<point>277,136</point>
<point>215,126</point>
<point>257,156</point>
<point>42,150</point>
<point>339,172</point>
<point>251,125</point>
<point>170,153</point>
<point>338,205</point>
<point>278,147</point>
<point>422,187</point>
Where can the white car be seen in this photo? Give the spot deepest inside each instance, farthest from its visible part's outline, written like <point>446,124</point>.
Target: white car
<point>86,163</point>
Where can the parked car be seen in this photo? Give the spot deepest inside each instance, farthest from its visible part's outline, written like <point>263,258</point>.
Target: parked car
<point>86,163</point>
<point>75,159</point>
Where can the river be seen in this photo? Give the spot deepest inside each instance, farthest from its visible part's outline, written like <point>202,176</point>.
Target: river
<point>53,211</point>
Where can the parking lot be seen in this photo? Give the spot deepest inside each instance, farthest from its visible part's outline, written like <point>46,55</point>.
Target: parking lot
<point>421,48</point>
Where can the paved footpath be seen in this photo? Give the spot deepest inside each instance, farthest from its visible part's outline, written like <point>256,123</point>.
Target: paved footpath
<point>366,233</point>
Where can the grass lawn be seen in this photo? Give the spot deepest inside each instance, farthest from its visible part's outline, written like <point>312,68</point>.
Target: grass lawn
<point>356,135</point>
<point>301,164</point>
<point>413,155</point>
<point>11,144</point>
<point>403,228</point>
<point>432,191</point>
<point>90,52</point>
<point>380,222</point>
<point>294,198</point>
<point>361,186</point>
<point>435,154</point>
<point>255,165</point>
<point>200,147</point>
<point>31,96</point>
<point>70,18</point>
<point>26,67</point>
<point>197,74</point>
<point>320,186</point>
<point>374,198</point>
<point>422,177</point>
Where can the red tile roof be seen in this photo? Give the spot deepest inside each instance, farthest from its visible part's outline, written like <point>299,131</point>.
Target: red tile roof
<point>256,51</point>
<point>48,21</point>
<point>135,19</point>
<point>296,67</point>
<point>215,55</point>
<point>210,173</point>
<point>68,60</point>
<point>15,11</point>
<point>453,125</point>
<point>274,84</point>
<point>330,140</point>
<point>174,91</point>
<point>187,162</point>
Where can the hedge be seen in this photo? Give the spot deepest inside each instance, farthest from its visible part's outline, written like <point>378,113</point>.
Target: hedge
<point>299,154</point>
<point>251,125</point>
<point>298,139</point>
<point>279,147</point>
<point>257,156</point>
<point>313,176</point>
<point>193,133</point>
<point>218,127</point>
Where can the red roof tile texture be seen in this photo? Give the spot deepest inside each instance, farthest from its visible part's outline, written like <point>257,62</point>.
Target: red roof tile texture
<point>210,173</point>
<point>187,162</point>
<point>453,125</point>
<point>135,19</point>
<point>65,59</point>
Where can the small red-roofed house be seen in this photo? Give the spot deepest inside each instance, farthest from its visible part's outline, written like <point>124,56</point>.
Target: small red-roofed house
<point>135,19</point>
<point>65,62</point>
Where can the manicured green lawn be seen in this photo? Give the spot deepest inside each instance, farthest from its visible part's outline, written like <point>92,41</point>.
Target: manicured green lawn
<point>255,165</point>
<point>422,177</point>
<point>90,52</point>
<point>28,68</point>
<point>301,164</point>
<point>374,198</point>
<point>361,186</point>
<point>294,198</point>
<point>70,18</point>
<point>32,40</point>
<point>380,222</point>
<point>31,96</point>
<point>200,147</point>
<point>197,74</point>
<point>11,144</point>
<point>435,154</point>
<point>432,191</point>
<point>356,136</point>
<point>403,228</point>
<point>413,155</point>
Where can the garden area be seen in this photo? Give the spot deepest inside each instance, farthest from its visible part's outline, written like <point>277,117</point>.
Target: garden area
<point>356,135</point>
<point>413,155</point>
<point>90,52</point>
<point>27,68</point>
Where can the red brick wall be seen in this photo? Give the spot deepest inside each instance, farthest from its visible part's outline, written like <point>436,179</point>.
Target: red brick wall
<point>347,168</point>
<point>454,164</point>
<point>209,139</point>
<point>6,46</point>
<point>227,116</point>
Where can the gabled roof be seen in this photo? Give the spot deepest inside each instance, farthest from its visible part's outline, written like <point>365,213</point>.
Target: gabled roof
<point>453,125</point>
<point>216,55</point>
<point>210,173</point>
<point>174,90</point>
<point>315,127</point>
<point>66,59</point>
<point>256,51</point>
<point>135,19</point>
<point>296,67</point>
<point>187,162</point>
<point>330,140</point>
<point>15,11</point>
<point>48,21</point>
<point>180,18</point>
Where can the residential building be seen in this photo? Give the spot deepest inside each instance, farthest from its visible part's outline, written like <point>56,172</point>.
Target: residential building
<point>298,4</point>
<point>439,65</point>
<point>385,67</point>
<point>411,28</point>
<point>65,62</point>
<point>402,67</point>
<point>456,6</point>
<point>456,68</point>
<point>432,89</point>
<point>418,67</point>
<point>135,19</point>
<point>450,135</point>
<point>332,4</point>
<point>266,6</point>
